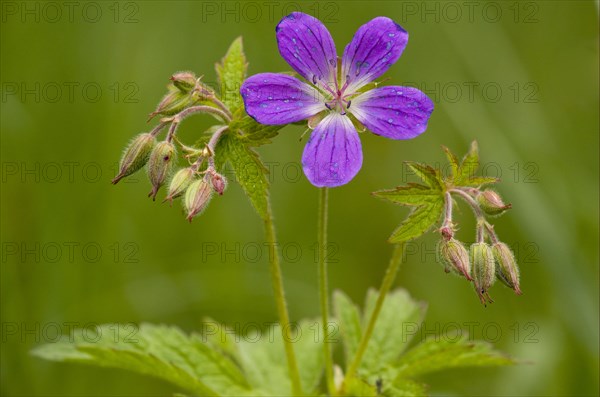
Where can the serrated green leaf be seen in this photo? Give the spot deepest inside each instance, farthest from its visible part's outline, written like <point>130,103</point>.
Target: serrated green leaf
<point>359,388</point>
<point>263,360</point>
<point>454,164</point>
<point>413,195</point>
<point>443,353</point>
<point>399,316</point>
<point>220,337</point>
<point>348,320</point>
<point>250,172</point>
<point>251,132</point>
<point>478,181</point>
<point>428,174</point>
<point>231,73</point>
<point>404,388</point>
<point>420,220</point>
<point>468,165</point>
<point>160,351</point>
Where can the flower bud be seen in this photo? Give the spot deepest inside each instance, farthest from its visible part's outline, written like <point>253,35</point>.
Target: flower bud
<point>179,183</point>
<point>197,197</point>
<point>219,182</point>
<point>491,203</point>
<point>456,257</point>
<point>172,103</point>
<point>484,275</point>
<point>507,269</point>
<point>135,156</point>
<point>160,165</point>
<point>184,81</point>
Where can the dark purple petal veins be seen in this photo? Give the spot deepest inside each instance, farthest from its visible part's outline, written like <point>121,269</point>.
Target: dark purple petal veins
<point>305,43</point>
<point>393,112</point>
<point>333,154</point>
<point>375,47</point>
<point>274,98</point>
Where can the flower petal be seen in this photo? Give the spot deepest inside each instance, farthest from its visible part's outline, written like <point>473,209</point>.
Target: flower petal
<point>274,98</point>
<point>393,112</point>
<point>306,44</point>
<point>333,154</point>
<point>375,47</point>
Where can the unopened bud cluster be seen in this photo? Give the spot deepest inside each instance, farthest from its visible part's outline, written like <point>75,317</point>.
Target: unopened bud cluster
<point>195,184</point>
<point>486,260</point>
<point>185,90</point>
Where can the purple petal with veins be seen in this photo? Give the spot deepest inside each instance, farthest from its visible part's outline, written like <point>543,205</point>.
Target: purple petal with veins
<point>375,47</point>
<point>274,98</point>
<point>306,44</point>
<point>393,112</point>
<point>333,154</point>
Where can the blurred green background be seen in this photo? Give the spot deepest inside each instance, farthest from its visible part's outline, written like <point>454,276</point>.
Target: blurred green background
<point>79,78</point>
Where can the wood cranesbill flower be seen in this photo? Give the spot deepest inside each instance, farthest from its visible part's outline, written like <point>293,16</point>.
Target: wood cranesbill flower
<point>336,93</point>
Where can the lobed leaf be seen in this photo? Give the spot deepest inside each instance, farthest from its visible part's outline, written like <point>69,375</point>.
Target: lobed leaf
<point>161,351</point>
<point>264,362</point>
<point>399,316</point>
<point>250,172</point>
<point>348,319</point>
<point>444,353</point>
<point>428,174</point>
<point>468,165</point>
<point>420,220</point>
<point>231,73</point>
<point>413,195</point>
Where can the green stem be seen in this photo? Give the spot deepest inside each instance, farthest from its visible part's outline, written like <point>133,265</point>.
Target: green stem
<point>284,318</point>
<point>323,289</point>
<point>386,285</point>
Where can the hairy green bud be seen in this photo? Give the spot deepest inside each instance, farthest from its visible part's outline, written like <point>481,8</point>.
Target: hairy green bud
<point>172,103</point>
<point>160,164</point>
<point>484,273</point>
<point>136,155</point>
<point>491,203</point>
<point>507,270</point>
<point>455,257</point>
<point>197,197</point>
<point>179,183</point>
<point>184,81</point>
<point>219,182</point>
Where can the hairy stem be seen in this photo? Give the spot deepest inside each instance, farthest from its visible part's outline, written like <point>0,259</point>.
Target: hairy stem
<point>471,201</point>
<point>323,287</point>
<point>386,285</point>
<point>158,128</point>
<point>179,117</point>
<point>284,318</point>
<point>447,228</point>
<point>212,144</point>
<point>483,226</point>
<point>221,105</point>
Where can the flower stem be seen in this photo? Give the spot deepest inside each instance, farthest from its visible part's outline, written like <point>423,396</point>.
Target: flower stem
<point>284,318</point>
<point>386,285</point>
<point>323,288</point>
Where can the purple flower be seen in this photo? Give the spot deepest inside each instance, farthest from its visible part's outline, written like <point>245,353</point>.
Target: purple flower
<point>333,154</point>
